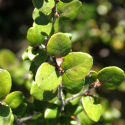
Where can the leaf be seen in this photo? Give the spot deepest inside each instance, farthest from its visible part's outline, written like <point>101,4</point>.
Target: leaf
<point>58,45</point>
<point>43,16</point>
<point>72,86</point>
<point>43,29</point>
<point>70,10</point>
<point>39,94</point>
<point>5,83</point>
<point>77,65</point>
<point>5,115</point>
<point>52,112</point>
<point>43,3</point>
<point>34,37</point>
<point>38,3</point>
<point>111,77</point>
<point>93,110</point>
<point>14,99</point>
<point>47,78</point>
<point>7,58</point>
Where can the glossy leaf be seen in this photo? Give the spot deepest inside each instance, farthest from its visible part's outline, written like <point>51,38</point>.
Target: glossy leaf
<point>5,83</point>
<point>72,86</point>
<point>59,45</point>
<point>47,78</point>
<point>39,94</point>
<point>42,16</point>
<point>38,3</point>
<point>70,10</point>
<point>14,99</point>
<point>5,115</point>
<point>93,110</point>
<point>52,112</point>
<point>43,3</point>
<point>111,77</point>
<point>34,37</point>
<point>77,65</point>
<point>43,29</point>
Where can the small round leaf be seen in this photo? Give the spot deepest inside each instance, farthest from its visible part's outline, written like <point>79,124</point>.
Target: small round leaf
<point>93,110</point>
<point>111,77</point>
<point>59,45</point>
<point>34,37</point>
<point>47,78</point>
<point>5,83</point>
<point>77,65</point>
<point>14,99</point>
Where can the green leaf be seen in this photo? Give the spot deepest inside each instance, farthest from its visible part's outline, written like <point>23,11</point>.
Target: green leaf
<point>77,65</point>
<point>43,3</point>
<point>93,110</point>
<point>47,78</point>
<point>111,77</point>
<point>38,3</point>
<point>58,45</point>
<point>70,10</point>
<point>5,83</point>
<point>14,99</point>
<point>52,112</point>
<point>34,37</point>
<point>42,16</point>
<point>5,115</point>
<point>72,86</point>
<point>43,29</point>
<point>39,94</point>
<point>69,35</point>
<point>7,58</point>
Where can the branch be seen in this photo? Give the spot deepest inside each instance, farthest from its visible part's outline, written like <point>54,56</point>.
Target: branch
<point>17,121</point>
<point>75,96</point>
<point>61,97</point>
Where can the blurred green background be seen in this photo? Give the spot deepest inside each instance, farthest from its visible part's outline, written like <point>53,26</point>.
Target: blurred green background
<point>99,30</point>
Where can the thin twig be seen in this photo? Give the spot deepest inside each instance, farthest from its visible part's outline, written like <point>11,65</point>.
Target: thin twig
<point>75,96</point>
<point>61,97</point>
<point>17,121</point>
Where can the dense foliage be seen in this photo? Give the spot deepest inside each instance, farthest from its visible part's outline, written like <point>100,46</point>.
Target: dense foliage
<point>62,84</point>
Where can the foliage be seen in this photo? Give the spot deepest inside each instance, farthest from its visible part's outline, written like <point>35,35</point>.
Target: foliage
<point>60,80</point>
